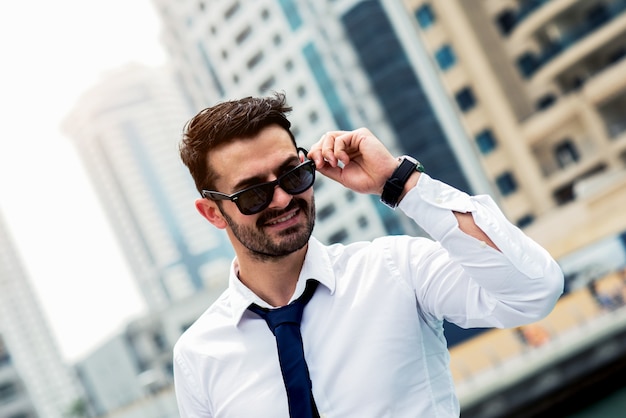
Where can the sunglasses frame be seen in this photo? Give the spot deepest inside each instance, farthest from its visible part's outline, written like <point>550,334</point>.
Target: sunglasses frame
<point>214,195</point>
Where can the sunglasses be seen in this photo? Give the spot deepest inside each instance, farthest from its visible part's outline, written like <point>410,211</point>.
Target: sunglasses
<point>254,199</point>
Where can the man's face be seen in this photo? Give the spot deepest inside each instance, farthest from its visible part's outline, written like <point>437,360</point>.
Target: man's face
<point>285,226</point>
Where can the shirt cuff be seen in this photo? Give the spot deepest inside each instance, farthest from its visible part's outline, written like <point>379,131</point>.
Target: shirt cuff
<point>431,202</point>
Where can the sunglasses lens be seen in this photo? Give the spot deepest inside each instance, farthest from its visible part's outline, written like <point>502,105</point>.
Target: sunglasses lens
<point>255,199</point>
<point>299,179</point>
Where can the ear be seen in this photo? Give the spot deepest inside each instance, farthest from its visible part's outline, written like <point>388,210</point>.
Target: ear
<point>211,212</point>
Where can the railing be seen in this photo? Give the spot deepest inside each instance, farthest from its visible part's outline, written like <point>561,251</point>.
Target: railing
<point>494,355</point>
<point>532,63</point>
<point>528,8</point>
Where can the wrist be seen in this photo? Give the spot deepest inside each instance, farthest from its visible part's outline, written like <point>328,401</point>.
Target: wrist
<point>410,183</point>
<point>401,180</point>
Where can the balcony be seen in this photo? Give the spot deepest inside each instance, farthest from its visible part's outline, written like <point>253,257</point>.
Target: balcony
<point>571,30</point>
<point>509,20</point>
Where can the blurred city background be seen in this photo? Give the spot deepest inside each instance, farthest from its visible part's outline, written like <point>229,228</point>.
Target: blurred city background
<point>104,261</point>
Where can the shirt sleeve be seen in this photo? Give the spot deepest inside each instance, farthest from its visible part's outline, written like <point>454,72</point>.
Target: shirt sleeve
<point>467,282</point>
<point>191,402</point>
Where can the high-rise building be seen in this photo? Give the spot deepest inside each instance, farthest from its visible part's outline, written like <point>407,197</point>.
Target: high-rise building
<point>540,90</point>
<point>14,398</point>
<point>342,65</point>
<point>32,372</point>
<point>126,130</point>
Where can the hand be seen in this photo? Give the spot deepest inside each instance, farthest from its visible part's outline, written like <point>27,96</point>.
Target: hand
<point>356,159</point>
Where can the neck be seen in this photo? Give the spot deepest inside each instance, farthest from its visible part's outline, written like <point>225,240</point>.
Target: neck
<point>273,280</point>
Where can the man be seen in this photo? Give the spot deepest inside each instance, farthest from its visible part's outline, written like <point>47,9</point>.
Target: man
<point>372,331</point>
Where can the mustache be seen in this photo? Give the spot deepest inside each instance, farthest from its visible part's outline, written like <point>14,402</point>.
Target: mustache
<point>272,214</point>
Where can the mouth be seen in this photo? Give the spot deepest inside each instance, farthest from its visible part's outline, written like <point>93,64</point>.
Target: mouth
<point>284,218</point>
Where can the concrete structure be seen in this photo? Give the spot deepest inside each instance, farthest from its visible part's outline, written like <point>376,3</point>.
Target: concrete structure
<point>539,87</point>
<point>341,64</point>
<point>130,375</point>
<point>14,399</point>
<point>126,130</point>
<point>32,372</point>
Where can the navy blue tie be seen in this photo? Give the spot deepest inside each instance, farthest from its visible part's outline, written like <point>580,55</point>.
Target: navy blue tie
<point>284,322</point>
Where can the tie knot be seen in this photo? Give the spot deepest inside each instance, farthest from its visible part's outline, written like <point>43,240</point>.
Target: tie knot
<point>288,314</point>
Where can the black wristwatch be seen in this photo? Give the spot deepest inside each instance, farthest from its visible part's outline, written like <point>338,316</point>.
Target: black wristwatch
<point>395,184</point>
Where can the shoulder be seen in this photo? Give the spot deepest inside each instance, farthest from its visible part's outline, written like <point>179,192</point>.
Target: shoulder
<point>205,326</point>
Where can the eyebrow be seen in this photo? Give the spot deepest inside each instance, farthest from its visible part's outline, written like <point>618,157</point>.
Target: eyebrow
<point>254,180</point>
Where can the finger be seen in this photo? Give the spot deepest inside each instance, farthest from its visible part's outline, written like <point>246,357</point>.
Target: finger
<point>315,152</point>
<point>333,173</point>
<point>328,148</point>
<point>340,152</point>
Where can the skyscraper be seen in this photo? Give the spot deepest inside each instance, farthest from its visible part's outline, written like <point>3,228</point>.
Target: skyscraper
<point>540,90</point>
<point>342,65</point>
<point>31,366</point>
<point>126,130</point>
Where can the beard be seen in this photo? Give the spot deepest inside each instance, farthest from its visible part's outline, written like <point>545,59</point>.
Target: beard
<point>266,247</point>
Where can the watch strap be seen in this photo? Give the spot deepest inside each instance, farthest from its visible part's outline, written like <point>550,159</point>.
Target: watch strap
<point>395,184</point>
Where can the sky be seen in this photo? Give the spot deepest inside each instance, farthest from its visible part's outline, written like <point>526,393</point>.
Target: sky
<point>52,52</point>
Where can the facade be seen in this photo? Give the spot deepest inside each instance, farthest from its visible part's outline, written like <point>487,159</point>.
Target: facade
<point>539,88</point>
<point>341,64</point>
<point>130,375</point>
<point>34,381</point>
<point>126,130</point>
<point>14,399</point>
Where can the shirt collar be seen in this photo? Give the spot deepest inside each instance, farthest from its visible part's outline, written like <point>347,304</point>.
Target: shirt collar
<point>316,266</point>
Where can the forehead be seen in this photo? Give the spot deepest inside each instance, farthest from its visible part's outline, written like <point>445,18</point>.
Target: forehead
<point>256,156</point>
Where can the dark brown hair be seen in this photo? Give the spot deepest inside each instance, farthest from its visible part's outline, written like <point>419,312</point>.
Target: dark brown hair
<point>222,123</point>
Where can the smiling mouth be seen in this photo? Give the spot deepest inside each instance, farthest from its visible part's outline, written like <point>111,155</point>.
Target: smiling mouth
<point>283,218</point>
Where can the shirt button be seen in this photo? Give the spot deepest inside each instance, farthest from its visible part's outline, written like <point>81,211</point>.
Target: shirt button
<point>439,200</point>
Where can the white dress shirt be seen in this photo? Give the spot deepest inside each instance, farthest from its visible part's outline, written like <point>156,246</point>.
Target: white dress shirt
<point>372,333</point>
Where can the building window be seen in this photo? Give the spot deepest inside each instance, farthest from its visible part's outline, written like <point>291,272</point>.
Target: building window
<point>506,183</point>
<point>425,16</point>
<point>465,99</point>
<point>313,117</point>
<point>339,236</point>
<point>445,57</point>
<point>527,64</point>
<point>566,153</point>
<point>230,12</point>
<point>8,391</point>
<point>485,141</point>
<point>545,101</point>
<point>525,220</point>
<point>252,62</point>
<point>265,14</point>
<point>289,65</point>
<point>277,39</point>
<point>326,212</point>
<point>349,195</point>
<point>266,85</point>
<point>362,222</point>
<point>506,21</point>
<point>243,35</point>
<point>291,13</point>
<point>301,91</point>
<point>564,194</point>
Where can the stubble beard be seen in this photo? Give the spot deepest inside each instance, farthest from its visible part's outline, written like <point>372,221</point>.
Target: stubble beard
<point>266,247</point>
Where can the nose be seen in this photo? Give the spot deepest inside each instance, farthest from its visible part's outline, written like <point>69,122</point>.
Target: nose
<point>281,198</point>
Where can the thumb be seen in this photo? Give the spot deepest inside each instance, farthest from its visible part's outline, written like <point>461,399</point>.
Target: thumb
<point>333,173</point>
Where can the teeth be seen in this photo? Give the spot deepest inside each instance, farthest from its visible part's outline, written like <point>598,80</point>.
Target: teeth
<point>283,219</point>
